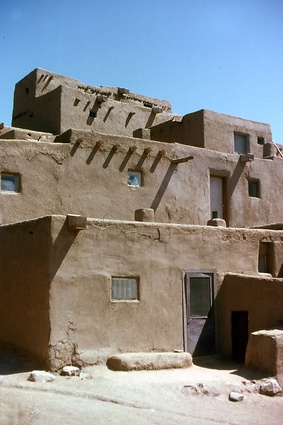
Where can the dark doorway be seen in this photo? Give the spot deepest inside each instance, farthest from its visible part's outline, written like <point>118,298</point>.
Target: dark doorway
<point>240,334</point>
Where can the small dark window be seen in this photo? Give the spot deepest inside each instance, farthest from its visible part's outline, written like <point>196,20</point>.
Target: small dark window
<point>10,183</point>
<point>241,143</point>
<point>124,289</point>
<point>92,114</point>
<point>27,90</point>
<point>260,140</point>
<point>254,188</point>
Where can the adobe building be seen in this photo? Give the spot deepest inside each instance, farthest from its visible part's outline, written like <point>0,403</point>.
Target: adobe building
<point>126,228</point>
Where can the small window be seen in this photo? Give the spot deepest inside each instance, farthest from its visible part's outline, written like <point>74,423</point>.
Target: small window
<point>260,140</point>
<point>134,178</point>
<point>241,143</point>
<point>92,114</point>
<point>254,188</point>
<point>27,90</point>
<point>124,288</point>
<point>10,183</point>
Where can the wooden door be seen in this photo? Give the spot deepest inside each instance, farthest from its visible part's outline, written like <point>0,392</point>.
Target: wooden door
<point>216,197</point>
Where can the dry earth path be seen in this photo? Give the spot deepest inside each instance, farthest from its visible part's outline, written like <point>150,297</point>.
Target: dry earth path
<point>195,396</point>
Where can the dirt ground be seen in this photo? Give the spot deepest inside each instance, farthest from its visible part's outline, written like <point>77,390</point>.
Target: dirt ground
<point>196,396</point>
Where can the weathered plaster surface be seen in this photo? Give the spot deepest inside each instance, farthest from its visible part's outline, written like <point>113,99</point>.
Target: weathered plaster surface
<point>83,178</point>
<point>212,130</point>
<point>50,102</point>
<point>157,253</point>
<point>265,351</point>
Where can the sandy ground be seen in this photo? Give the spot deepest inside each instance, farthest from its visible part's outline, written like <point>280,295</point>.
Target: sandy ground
<point>195,396</point>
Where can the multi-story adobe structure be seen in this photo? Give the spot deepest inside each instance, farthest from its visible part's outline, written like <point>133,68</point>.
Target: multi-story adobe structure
<point>128,228</point>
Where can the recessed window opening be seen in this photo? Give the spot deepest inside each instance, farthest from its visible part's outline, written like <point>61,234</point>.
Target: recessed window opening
<point>134,179</point>
<point>10,183</point>
<point>124,289</point>
<point>260,140</point>
<point>241,143</point>
<point>92,114</point>
<point>27,90</point>
<point>254,188</point>
<point>265,257</point>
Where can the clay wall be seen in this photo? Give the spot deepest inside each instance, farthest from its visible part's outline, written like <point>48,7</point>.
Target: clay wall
<point>36,107</point>
<point>82,313</point>
<point>214,131</point>
<point>219,130</point>
<point>53,103</point>
<point>90,177</point>
<point>24,287</point>
<point>188,130</point>
<point>56,301</point>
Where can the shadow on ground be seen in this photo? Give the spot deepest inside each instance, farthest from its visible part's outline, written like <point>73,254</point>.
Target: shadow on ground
<point>12,362</point>
<point>220,363</point>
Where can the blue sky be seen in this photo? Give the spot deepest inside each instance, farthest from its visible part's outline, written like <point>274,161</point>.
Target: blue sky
<point>222,55</point>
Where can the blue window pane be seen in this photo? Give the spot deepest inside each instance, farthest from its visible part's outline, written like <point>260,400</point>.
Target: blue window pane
<point>134,178</point>
<point>9,183</point>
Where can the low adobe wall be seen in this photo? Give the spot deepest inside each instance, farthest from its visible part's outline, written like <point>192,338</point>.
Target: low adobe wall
<point>265,352</point>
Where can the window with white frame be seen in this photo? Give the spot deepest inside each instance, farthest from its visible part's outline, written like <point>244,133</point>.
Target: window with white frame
<point>10,183</point>
<point>124,289</point>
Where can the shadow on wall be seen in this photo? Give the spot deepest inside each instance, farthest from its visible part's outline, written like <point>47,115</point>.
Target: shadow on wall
<point>74,148</point>
<point>165,182</point>
<point>246,304</point>
<point>216,333</point>
<point>150,120</point>
<point>92,154</point>
<point>126,160</point>
<point>109,157</point>
<point>163,186</point>
<point>61,247</point>
<point>236,176</point>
